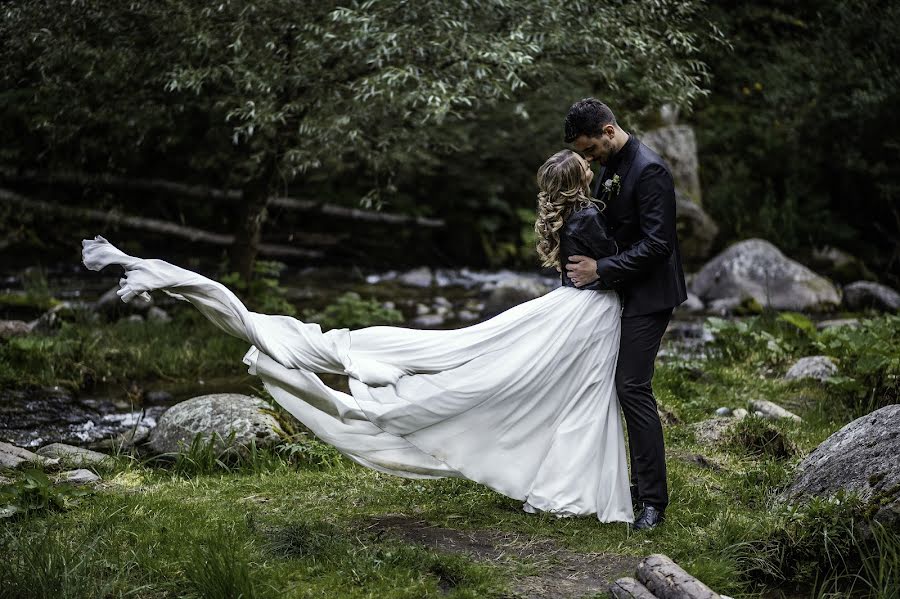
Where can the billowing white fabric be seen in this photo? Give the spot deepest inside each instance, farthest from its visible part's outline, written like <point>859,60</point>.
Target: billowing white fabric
<point>523,403</point>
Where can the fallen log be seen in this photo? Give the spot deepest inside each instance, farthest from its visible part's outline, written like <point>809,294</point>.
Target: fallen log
<point>153,225</point>
<point>629,588</point>
<point>667,580</point>
<point>210,193</point>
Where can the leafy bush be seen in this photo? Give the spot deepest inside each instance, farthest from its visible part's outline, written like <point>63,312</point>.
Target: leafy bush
<point>870,361</point>
<point>350,311</point>
<point>34,493</point>
<point>264,292</point>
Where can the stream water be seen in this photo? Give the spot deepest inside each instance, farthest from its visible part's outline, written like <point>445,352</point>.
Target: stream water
<point>428,299</point>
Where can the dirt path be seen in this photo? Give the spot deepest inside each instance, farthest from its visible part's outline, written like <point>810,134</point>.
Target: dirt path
<point>561,574</point>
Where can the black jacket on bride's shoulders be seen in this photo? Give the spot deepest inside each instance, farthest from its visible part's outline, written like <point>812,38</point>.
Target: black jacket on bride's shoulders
<point>584,233</point>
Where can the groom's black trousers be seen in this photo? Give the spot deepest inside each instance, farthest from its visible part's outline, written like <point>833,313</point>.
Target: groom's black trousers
<point>639,344</point>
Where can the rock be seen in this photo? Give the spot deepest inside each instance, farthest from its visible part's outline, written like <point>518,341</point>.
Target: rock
<point>860,458</point>
<point>772,411</point>
<point>697,231</point>
<point>78,477</point>
<point>112,305</point>
<point>667,580</point>
<point>677,144</point>
<point>428,321</point>
<point>422,309</point>
<point>757,269</point>
<point>838,322</point>
<point>812,367</point>
<point>443,301</point>
<point>740,413</point>
<point>692,305</point>
<point>155,314</point>
<point>723,412</point>
<point>466,316</point>
<point>667,416</point>
<point>72,455</point>
<point>629,588</point>
<point>729,306</point>
<point>134,318</point>
<point>512,292</point>
<point>418,277</point>
<point>17,457</point>
<point>52,319</point>
<point>839,265</point>
<point>125,440</point>
<point>216,414</point>
<point>864,295</point>
<point>712,431</point>
<point>13,328</point>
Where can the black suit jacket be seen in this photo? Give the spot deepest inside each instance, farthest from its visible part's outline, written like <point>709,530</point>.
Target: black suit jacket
<point>647,272</point>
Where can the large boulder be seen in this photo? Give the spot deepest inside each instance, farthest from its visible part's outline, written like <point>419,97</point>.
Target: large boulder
<point>820,368</point>
<point>512,291</point>
<point>677,144</point>
<point>696,230</point>
<point>215,415</point>
<point>757,269</point>
<point>863,295</point>
<point>860,458</point>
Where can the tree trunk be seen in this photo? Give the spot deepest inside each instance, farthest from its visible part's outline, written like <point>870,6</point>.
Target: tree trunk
<point>667,580</point>
<point>251,217</point>
<point>629,588</point>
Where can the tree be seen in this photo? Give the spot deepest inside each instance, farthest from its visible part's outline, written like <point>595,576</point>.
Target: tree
<point>254,94</point>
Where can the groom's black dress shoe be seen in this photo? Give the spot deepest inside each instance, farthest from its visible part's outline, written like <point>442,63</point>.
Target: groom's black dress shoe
<point>649,518</point>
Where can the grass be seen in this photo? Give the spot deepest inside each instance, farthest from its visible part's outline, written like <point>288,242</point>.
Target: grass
<point>298,521</point>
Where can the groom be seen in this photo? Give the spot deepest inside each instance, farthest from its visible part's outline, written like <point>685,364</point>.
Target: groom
<point>639,193</point>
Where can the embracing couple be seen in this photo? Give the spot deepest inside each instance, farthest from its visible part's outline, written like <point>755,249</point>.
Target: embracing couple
<point>526,403</point>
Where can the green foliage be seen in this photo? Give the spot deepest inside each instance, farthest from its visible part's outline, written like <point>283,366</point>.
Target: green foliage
<point>350,311</point>
<point>759,437</point>
<point>870,361</point>
<point>220,568</point>
<point>798,134</point>
<point>35,493</point>
<point>263,293</point>
<point>82,352</point>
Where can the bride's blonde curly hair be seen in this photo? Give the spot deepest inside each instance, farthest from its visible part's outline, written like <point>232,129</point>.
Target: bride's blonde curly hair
<point>562,191</point>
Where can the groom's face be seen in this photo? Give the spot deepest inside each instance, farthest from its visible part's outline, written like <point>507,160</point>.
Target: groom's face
<point>596,149</point>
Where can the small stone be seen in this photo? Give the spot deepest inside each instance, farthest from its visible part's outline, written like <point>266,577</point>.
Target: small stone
<point>389,306</point>
<point>813,367</point>
<point>78,477</point>
<point>771,411</point>
<point>740,413</point>
<point>13,328</point>
<point>418,277</point>
<point>156,314</point>
<point>12,456</point>
<point>428,321</point>
<point>135,318</point>
<point>442,301</point>
<point>723,411</point>
<point>466,316</point>
<point>838,322</point>
<point>422,309</point>
<point>73,455</point>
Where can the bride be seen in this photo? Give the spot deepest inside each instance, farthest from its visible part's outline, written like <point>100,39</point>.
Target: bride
<point>524,403</point>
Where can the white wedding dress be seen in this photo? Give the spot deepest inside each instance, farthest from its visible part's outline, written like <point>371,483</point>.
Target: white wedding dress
<point>523,403</point>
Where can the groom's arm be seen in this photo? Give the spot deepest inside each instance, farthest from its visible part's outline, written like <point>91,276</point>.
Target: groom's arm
<point>655,192</point>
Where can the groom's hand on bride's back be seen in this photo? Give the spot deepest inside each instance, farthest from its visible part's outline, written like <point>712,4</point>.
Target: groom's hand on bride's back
<point>582,270</point>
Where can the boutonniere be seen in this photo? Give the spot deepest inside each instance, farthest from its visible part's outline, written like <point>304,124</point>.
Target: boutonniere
<point>612,187</point>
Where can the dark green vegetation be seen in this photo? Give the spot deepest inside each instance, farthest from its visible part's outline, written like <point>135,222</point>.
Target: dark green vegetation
<point>301,520</point>
<point>341,100</point>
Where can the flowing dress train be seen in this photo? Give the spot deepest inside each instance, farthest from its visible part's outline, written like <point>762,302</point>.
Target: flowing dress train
<point>524,403</point>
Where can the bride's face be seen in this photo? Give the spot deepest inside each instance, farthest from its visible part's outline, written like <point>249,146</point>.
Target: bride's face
<point>588,173</point>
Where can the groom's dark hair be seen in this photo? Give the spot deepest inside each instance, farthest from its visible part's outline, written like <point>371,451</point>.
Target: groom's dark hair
<point>587,117</point>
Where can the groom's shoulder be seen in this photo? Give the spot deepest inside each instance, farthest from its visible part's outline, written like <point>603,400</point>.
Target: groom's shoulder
<point>647,156</point>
